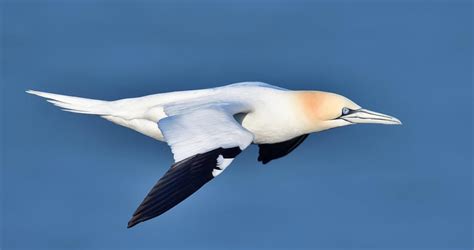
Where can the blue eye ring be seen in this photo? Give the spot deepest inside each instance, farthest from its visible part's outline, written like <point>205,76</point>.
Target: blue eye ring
<point>345,111</point>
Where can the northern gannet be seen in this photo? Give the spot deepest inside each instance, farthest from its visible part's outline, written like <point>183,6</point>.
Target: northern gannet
<point>206,129</point>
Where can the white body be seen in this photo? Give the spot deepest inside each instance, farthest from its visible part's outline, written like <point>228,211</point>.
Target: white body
<point>271,118</point>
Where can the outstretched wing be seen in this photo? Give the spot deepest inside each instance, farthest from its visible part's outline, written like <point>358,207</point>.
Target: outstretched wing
<point>204,142</point>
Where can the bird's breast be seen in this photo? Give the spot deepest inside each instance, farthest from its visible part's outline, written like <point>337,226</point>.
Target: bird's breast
<point>273,122</point>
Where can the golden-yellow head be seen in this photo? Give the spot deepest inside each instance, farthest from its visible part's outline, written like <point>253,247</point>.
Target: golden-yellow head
<point>324,110</point>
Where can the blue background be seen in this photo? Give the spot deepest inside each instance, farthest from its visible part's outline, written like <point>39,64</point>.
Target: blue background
<point>73,181</point>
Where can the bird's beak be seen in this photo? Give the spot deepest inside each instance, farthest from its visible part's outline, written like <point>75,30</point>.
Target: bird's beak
<point>367,116</point>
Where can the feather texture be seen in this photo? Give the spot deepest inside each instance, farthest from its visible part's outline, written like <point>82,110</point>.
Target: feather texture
<point>201,130</point>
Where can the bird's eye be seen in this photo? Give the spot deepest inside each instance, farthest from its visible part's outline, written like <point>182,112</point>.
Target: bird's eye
<point>345,111</point>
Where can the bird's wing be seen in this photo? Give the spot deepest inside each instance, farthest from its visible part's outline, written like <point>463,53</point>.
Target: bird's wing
<point>268,152</point>
<point>195,129</point>
<point>204,142</point>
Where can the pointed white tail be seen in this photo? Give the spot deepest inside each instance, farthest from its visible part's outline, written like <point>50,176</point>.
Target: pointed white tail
<point>75,104</point>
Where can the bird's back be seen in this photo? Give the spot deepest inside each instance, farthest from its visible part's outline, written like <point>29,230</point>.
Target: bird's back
<point>268,105</point>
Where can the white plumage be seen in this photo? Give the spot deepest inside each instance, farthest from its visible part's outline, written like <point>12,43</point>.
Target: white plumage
<point>206,129</point>
<point>271,119</point>
<point>201,130</point>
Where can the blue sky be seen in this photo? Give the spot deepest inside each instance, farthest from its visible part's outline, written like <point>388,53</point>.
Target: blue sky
<point>73,181</point>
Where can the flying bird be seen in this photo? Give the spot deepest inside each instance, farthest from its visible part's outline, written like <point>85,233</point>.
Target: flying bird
<point>207,128</point>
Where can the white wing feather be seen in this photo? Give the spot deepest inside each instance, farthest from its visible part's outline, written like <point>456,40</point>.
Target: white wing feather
<point>195,129</point>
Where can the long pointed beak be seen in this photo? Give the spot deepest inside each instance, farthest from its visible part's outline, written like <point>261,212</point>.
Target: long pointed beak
<point>367,116</point>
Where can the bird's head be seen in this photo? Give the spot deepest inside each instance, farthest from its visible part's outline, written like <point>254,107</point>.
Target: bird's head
<point>324,110</point>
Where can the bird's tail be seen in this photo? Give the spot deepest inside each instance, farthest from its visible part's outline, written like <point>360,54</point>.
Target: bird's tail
<point>75,104</point>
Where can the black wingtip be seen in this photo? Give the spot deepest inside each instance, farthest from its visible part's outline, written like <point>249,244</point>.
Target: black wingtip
<point>269,152</point>
<point>179,182</point>
<point>133,221</point>
<point>263,161</point>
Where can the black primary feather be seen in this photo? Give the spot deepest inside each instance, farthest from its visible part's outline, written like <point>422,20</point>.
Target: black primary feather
<point>268,152</point>
<point>179,182</point>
